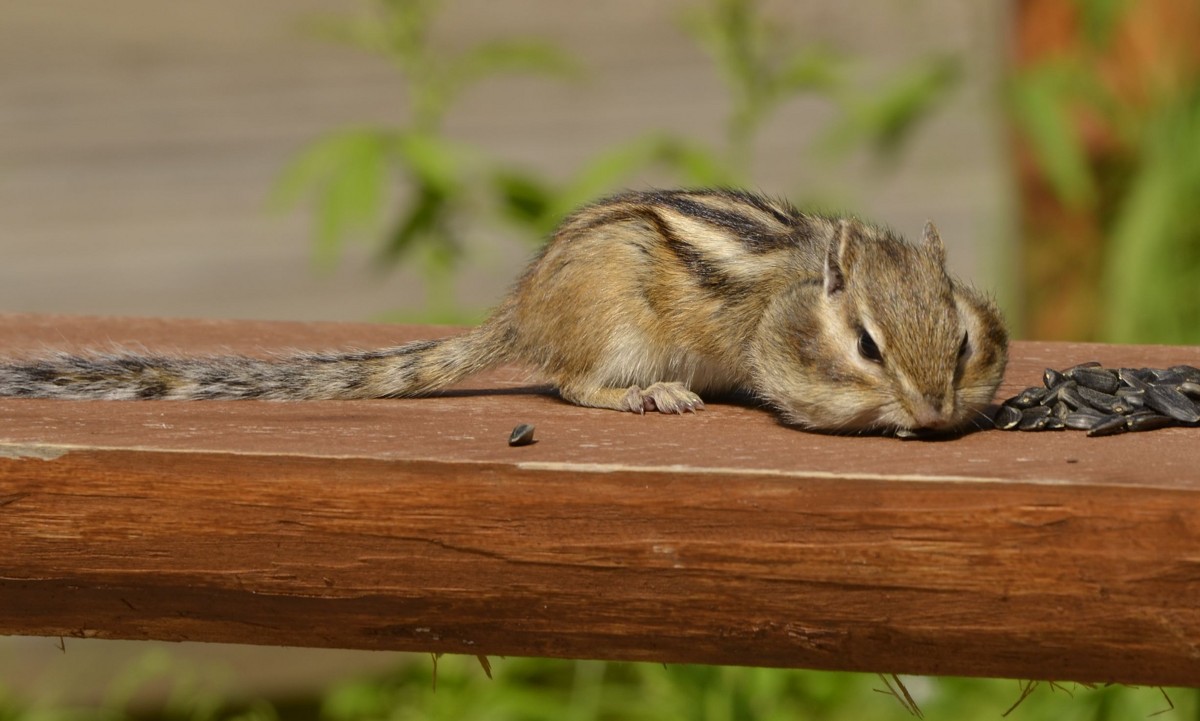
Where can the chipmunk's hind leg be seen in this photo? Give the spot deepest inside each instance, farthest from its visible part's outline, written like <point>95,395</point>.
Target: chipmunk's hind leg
<point>664,397</point>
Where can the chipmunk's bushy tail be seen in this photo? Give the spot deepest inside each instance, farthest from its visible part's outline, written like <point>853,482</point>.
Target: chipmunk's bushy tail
<point>412,369</point>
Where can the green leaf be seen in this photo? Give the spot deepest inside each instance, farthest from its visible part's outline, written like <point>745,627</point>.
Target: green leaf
<point>816,69</point>
<point>424,221</point>
<point>887,120</point>
<point>524,198</point>
<point>433,160</point>
<point>695,164</point>
<point>344,173</point>
<point>1041,105</point>
<point>736,35</point>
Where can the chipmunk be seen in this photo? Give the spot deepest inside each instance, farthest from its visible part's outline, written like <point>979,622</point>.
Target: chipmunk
<point>645,301</point>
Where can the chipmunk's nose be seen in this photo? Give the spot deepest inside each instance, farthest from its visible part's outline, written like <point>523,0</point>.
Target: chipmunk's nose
<point>928,412</point>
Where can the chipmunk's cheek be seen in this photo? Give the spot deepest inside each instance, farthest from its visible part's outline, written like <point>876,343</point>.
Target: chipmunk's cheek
<point>870,414</point>
<point>892,417</point>
<point>829,410</point>
<point>974,401</point>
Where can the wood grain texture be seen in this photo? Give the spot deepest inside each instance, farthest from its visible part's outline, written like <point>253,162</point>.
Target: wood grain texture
<point>721,537</point>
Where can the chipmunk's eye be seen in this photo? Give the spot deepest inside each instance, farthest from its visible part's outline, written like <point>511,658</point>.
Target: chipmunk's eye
<point>867,347</point>
<point>963,348</point>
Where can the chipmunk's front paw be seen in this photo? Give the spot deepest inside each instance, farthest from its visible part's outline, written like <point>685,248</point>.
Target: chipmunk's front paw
<point>662,397</point>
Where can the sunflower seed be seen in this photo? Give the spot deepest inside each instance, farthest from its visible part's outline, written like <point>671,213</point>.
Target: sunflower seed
<point>1052,378</point>
<point>1095,378</point>
<point>1007,418</point>
<point>1060,410</point>
<point>1070,396</point>
<point>1027,398</point>
<point>1105,402</point>
<point>1190,373</point>
<point>1083,421</point>
<point>1167,378</point>
<point>1110,426</point>
<point>1053,395</point>
<point>1131,398</point>
<point>1148,421</point>
<point>1170,402</point>
<point>1134,378</point>
<point>1033,419</point>
<point>522,435</point>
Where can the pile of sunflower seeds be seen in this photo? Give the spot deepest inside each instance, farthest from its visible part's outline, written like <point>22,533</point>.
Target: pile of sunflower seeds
<point>1105,401</point>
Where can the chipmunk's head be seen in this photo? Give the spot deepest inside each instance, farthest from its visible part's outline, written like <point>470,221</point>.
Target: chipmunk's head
<point>882,339</point>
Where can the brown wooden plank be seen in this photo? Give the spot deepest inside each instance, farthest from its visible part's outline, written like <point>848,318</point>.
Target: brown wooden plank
<point>719,538</point>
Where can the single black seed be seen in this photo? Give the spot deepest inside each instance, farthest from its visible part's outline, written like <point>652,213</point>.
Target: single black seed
<point>1135,399</point>
<point>1083,421</point>
<point>1035,424</point>
<point>1060,410</point>
<point>1053,395</point>
<point>1053,424</point>
<point>1096,379</point>
<point>1124,407</point>
<point>1144,421</point>
<point>1110,426</point>
<point>1100,401</point>
<point>1032,419</point>
<point>1170,402</point>
<point>1027,398</point>
<point>1190,388</point>
<point>1052,378</point>
<point>1132,377</point>
<point>522,435</point>
<point>1190,373</point>
<point>1069,394</point>
<point>1167,378</point>
<point>1007,418</point>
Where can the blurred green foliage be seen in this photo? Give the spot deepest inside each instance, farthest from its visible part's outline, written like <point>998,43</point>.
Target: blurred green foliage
<point>349,172</point>
<point>457,689</point>
<point>352,174</point>
<point>763,68</point>
<point>1142,195</point>
<point>1152,269</point>
<point>539,690</point>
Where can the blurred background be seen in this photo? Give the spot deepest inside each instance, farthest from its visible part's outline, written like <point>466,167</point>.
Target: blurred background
<point>401,159</point>
<point>260,160</point>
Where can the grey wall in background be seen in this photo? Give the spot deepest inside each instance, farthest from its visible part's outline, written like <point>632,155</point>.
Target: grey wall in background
<point>138,141</point>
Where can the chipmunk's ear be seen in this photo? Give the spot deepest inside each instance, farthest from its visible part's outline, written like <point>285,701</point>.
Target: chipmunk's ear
<point>839,255</point>
<point>932,242</point>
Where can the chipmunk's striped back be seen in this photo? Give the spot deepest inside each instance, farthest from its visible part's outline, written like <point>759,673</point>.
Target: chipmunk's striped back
<point>725,238</point>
